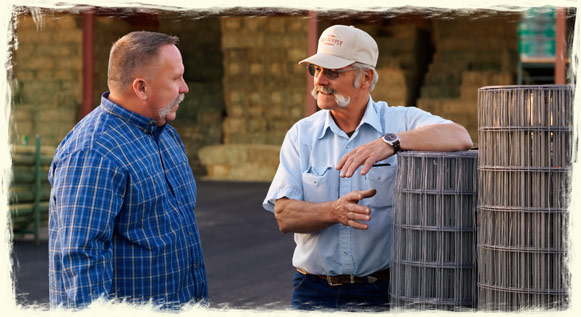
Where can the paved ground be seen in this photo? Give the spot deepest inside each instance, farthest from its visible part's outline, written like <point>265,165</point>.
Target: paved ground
<point>248,260</point>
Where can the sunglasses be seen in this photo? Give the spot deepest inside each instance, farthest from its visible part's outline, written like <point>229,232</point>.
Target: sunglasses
<point>329,73</point>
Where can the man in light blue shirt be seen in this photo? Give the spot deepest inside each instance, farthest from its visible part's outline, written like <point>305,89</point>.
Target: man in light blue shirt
<point>334,185</point>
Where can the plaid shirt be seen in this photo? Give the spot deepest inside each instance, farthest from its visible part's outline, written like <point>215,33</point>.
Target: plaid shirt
<point>122,219</point>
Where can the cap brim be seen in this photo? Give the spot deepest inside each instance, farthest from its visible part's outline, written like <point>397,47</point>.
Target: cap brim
<point>327,61</point>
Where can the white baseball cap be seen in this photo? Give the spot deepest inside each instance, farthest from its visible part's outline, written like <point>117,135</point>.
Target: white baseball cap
<point>342,45</point>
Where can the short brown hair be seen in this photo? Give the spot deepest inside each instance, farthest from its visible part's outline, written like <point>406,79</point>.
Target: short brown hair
<point>131,52</point>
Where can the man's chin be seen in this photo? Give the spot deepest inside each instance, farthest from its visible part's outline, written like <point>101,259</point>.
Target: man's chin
<point>326,101</point>
<point>170,117</point>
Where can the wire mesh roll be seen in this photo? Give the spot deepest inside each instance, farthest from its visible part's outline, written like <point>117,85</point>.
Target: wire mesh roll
<point>525,135</point>
<point>433,259</point>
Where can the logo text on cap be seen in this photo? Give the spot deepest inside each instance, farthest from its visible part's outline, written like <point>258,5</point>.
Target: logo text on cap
<point>331,40</point>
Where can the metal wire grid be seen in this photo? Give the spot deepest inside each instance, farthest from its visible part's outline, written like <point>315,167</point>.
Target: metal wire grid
<point>433,254</point>
<point>524,163</point>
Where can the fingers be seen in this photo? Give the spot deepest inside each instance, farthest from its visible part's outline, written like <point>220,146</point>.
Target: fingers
<point>357,225</point>
<point>366,155</point>
<point>358,195</point>
<point>349,163</point>
<point>366,166</point>
<point>353,218</point>
<point>361,216</point>
<point>356,211</point>
<point>342,162</point>
<point>350,213</point>
<point>368,193</point>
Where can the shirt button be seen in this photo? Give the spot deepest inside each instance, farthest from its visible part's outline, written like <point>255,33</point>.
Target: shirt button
<point>345,252</point>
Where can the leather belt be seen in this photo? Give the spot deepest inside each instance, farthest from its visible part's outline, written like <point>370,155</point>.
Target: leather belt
<point>337,280</point>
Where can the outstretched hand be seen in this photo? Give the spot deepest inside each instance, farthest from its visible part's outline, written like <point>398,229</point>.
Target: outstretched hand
<point>366,155</point>
<point>349,212</point>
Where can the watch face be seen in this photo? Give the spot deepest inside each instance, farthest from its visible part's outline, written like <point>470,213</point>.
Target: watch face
<point>390,137</point>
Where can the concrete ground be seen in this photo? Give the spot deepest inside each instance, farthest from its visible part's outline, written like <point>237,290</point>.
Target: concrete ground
<point>248,260</point>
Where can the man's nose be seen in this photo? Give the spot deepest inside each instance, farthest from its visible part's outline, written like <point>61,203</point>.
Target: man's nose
<point>184,87</point>
<point>320,79</point>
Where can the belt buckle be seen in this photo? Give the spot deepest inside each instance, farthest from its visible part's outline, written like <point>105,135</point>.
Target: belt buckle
<point>331,283</point>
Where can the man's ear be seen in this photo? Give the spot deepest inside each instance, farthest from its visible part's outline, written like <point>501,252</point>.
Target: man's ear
<point>140,88</point>
<point>368,79</point>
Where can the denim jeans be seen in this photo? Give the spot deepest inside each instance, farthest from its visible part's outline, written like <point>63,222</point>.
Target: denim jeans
<point>314,293</point>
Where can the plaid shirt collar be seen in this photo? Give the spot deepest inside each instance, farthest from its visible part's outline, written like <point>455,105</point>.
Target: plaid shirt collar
<point>147,125</point>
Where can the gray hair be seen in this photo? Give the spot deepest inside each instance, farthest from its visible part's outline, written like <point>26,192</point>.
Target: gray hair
<point>363,68</point>
<point>132,52</point>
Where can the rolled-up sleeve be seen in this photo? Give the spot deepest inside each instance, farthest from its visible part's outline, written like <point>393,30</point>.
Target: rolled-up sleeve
<point>287,180</point>
<point>87,194</point>
<point>417,118</point>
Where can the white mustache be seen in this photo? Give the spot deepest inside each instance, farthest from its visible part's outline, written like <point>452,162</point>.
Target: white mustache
<point>324,89</point>
<point>341,101</point>
<point>166,110</point>
<point>178,100</point>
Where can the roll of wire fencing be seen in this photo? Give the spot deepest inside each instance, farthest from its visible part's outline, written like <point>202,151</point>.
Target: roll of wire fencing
<point>525,147</point>
<point>433,258</point>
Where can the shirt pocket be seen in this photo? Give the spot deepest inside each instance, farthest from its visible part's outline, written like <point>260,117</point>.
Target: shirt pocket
<point>321,186</point>
<point>382,179</point>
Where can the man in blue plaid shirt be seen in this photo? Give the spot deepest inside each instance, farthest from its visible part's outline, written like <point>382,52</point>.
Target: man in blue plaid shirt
<point>122,222</point>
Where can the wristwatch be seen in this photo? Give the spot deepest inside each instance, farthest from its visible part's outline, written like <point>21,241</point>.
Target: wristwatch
<point>391,139</point>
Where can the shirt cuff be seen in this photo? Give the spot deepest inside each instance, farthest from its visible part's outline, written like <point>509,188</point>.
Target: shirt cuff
<point>288,192</point>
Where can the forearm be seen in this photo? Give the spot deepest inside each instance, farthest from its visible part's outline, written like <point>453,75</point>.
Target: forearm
<point>306,217</point>
<point>301,216</point>
<point>444,137</point>
<point>438,137</point>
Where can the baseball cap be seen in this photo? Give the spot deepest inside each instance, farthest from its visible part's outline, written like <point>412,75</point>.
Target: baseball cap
<point>342,45</point>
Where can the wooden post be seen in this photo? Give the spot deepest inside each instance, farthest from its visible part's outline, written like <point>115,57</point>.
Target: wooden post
<point>560,46</point>
<point>37,191</point>
<point>312,49</point>
<point>88,35</point>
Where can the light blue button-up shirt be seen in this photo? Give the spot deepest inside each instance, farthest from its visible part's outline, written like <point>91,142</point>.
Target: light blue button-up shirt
<point>309,153</point>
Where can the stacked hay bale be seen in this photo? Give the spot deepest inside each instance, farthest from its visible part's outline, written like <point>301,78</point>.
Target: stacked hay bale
<point>264,94</point>
<point>199,119</point>
<point>471,52</point>
<point>46,82</point>
<point>404,55</point>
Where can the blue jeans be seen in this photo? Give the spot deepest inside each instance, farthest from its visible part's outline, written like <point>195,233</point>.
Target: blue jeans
<point>311,292</point>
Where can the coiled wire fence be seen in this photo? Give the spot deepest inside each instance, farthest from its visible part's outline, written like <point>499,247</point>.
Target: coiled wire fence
<point>525,135</point>
<point>433,254</point>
